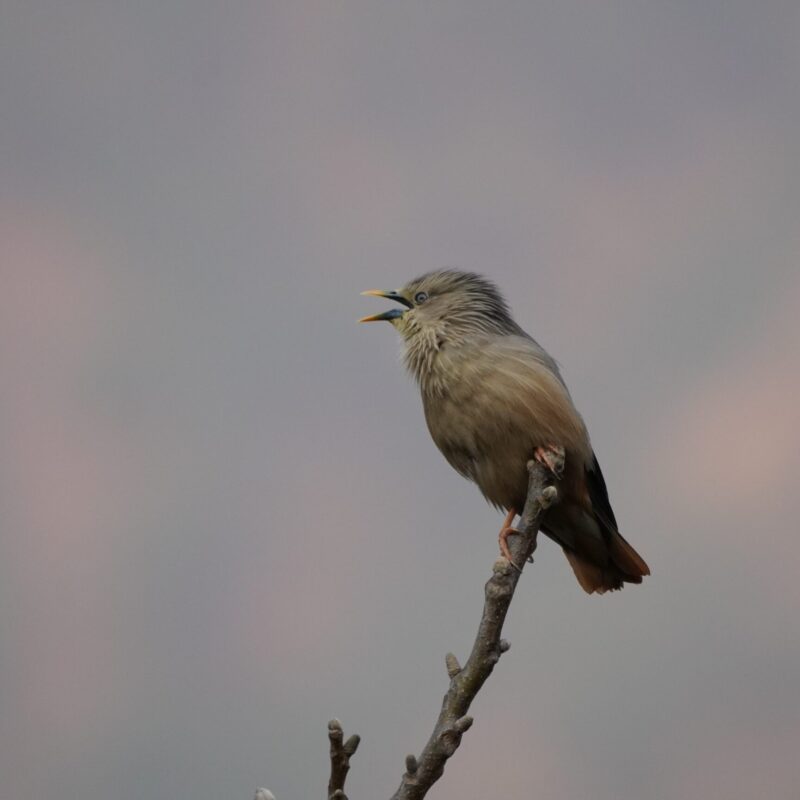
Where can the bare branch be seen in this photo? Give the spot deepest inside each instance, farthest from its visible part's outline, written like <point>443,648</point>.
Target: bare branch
<point>340,758</point>
<point>465,683</point>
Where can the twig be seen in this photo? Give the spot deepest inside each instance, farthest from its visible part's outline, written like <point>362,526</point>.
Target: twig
<point>340,758</point>
<point>465,683</point>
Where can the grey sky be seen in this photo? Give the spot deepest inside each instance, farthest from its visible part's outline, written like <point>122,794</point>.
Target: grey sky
<point>222,521</point>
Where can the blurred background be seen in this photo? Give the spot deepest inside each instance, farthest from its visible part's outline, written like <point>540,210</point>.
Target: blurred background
<point>222,521</point>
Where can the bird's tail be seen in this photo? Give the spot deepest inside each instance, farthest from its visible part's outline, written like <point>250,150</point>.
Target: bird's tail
<point>620,563</point>
<point>624,565</point>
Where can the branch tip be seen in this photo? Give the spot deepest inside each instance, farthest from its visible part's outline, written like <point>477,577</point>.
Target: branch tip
<point>453,667</point>
<point>504,646</point>
<point>340,758</point>
<point>549,495</point>
<point>264,794</point>
<point>412,765</point>
<point>464,724</point>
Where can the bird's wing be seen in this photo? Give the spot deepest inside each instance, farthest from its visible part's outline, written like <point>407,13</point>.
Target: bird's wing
<point>523,378</point>
<point>535,350</point>
<point>596,486</point>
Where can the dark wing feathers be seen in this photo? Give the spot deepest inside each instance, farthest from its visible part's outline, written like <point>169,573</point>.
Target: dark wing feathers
<point>632,565</point>
<point>596,484</point>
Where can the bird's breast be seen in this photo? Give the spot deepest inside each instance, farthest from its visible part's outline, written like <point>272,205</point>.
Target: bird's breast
<point>492,411</point>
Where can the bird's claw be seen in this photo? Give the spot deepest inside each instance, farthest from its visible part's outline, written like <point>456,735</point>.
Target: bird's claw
<point>543,457</point>
<point>506,553</point>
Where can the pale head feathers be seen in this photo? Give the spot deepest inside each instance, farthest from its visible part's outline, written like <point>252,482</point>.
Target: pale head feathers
<point>449,308</point>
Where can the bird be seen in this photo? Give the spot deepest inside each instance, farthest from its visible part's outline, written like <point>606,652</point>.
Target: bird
<point>493,398</point>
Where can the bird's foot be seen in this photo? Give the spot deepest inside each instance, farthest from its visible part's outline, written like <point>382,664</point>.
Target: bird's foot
<point>502,539</point>
<point>504,534</point>
<point>542,455</point>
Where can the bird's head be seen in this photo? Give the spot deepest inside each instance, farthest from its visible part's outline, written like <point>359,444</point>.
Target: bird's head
<point>445,306</point>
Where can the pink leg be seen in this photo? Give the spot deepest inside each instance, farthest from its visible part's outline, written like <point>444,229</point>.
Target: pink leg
<point>505,532</point>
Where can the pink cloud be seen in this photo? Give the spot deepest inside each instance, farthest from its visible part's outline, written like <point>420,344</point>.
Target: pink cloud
<point>732,443</point>
<point>743,764</point>
<point>63,475</point>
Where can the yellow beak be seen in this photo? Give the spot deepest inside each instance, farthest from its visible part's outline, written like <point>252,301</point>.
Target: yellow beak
<point>386,315</point>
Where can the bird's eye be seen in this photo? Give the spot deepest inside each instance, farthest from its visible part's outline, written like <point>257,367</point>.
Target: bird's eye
<point>420,297</point>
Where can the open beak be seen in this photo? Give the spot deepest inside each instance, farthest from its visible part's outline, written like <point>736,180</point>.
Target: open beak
<point>386,315</point>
